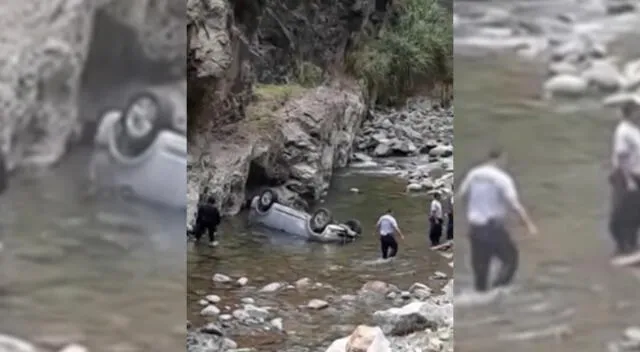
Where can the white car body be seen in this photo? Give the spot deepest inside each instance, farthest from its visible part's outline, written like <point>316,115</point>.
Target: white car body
<point>158,175</point>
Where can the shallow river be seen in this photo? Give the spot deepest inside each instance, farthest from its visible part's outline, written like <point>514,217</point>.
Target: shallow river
<point>267,257</point>
<point>566,297</point>
<point>109,275</point>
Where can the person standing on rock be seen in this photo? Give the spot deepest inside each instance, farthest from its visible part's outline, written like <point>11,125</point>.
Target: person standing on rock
<point>207,219</point>
<point>387,227</point>
<point>624,219</point>
<point>489,193</point>
<point>436,220</point>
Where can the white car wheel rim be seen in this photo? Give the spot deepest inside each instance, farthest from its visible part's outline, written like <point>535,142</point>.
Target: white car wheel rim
<point>265,199</point>
<point>141,117</point>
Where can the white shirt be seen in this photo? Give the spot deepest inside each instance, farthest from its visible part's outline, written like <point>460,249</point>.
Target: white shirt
<point>387,225</point>
<point>626,142</point>
<point>491,192</point>
<point>436,209</point>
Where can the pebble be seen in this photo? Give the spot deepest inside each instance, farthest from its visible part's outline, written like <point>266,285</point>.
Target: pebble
<point>272,287</point>
<point>317,304</point>
<point>243,281</point>
<point>210,311</point>
<point>277,323</point>
<point>248,300</point>
<point>213,298</point>
<point>303,283</point>
<point>220,278</point>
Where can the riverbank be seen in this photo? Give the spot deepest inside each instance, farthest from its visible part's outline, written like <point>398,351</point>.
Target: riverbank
<point>265,257</point>
<point>417,318</point>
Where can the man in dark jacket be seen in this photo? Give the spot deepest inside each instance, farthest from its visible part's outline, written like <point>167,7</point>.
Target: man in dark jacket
<point>207,219</point>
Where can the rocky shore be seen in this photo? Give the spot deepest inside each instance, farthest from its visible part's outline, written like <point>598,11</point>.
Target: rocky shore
<point>416,142</point>
<point>417,318</point>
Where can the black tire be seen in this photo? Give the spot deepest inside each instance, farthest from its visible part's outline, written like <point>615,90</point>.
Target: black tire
<point>354,225</point>
<point>320,219</point>
<point>133,141</point>
<point>266,199</point>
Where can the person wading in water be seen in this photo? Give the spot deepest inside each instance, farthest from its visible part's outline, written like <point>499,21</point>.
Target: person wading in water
<point>450,222</point>
<point>435,220</point>
<point>208,218</point>
<point>624,219</point>
<point>387,228</point>
<point>489,193</point>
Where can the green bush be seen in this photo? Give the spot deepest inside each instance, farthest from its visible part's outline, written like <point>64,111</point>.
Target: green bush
<point>413,50</point>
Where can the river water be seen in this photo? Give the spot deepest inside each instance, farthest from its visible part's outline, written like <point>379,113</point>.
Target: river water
<point>566,297</point>
<point>109,275</point>
<point>266,257</point>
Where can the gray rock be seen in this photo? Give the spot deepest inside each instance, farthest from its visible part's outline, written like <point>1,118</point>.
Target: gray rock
<point>272,287</point>
<point>414,317</point>
<point>317,304</point>
<point>210,311</point>
<point>221,278</point>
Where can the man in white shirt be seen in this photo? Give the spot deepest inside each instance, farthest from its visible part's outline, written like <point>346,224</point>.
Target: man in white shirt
<point>490,193</point>
<point>435,220</point>
<point>387,227</point>
<point>624,220</point>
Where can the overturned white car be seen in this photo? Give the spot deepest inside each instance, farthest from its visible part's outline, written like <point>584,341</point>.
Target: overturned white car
<point>318,227</point>
<point>141,150</point>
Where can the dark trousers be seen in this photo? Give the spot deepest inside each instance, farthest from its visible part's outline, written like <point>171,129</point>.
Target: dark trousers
<point>450,227</point>
<point>201,227</point>
<point>624,219</point>
<point>487,242</point>
<point>388,246</point>
<point>435,231</point>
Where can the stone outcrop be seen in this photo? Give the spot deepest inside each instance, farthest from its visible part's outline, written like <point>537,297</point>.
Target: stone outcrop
<point>301,143</point>
<point>232,45</point>
<point>47,49</point>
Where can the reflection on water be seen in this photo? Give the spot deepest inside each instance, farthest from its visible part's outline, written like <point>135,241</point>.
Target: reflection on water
<point>566,297</point>
<point>266,257</point>
<point>109,275</point>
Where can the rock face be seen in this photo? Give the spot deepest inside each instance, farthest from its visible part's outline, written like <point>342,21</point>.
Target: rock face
<point>46,48</point>
<point>234,44</point>
<point>303,142</point>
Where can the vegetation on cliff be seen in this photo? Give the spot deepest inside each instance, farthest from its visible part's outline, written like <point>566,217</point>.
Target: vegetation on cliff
<point>412,52</point>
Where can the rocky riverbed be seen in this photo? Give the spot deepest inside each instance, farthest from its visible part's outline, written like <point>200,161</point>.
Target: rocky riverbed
<point>416,319</point>
<point>571,40</point>
<point>416,142</point>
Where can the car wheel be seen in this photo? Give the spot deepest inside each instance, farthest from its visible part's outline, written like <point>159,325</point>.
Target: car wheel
<point>354,225</point>
<point>266,199</point>
<point>140,123</point>
<point>320,219</point>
